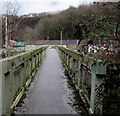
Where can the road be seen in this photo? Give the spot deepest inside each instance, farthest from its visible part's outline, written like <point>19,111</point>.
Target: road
<point>49,93</point>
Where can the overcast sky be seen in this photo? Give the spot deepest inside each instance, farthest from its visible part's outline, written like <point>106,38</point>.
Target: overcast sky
<point>39,6</point>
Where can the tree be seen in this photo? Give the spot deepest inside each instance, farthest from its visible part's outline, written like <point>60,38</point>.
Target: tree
<point>10,21</point>
<point>11,8</point>
<point>28,34</point>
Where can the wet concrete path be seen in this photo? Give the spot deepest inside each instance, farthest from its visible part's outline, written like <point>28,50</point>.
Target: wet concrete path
<point>48,94</point>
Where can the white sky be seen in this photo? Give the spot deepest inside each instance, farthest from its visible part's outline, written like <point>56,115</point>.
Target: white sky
<point>38,6</point>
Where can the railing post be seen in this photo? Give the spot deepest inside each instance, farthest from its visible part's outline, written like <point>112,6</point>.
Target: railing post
<point>74,71</point>
<point>25,73</point>
<point>69,61</point>
<point>92,99</point>
<point>97,88</point>
<point>77,74</point>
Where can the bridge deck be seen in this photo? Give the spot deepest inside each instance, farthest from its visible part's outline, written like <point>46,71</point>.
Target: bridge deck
<point>49,93</point>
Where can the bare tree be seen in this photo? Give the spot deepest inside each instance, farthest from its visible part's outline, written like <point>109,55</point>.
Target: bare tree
<point>9,21</point>
<point>10,10</point>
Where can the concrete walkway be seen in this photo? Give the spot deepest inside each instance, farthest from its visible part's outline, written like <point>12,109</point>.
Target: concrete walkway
<point>47,93</point>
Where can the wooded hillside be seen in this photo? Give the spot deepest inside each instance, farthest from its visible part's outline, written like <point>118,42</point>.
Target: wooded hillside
<point>98,20</point>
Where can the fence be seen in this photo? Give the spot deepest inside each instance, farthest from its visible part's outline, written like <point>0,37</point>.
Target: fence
<point>92,78</point>
<point>6,52</point>
<point>16,72</point>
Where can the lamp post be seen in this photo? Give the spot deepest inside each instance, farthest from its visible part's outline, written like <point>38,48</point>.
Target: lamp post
<point>61,34</point>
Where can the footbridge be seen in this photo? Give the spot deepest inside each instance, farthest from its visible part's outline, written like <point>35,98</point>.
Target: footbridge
<point>57,80</point>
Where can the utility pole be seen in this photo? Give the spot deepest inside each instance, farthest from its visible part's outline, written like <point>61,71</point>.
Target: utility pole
<point>6,31</point>
<point>61,36</point>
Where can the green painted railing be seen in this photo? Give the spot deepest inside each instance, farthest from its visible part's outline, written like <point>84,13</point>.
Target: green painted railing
<point>16,72</point>
<point>92,79</point>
